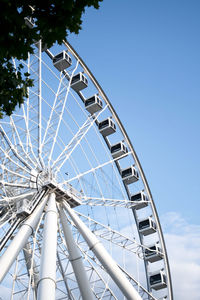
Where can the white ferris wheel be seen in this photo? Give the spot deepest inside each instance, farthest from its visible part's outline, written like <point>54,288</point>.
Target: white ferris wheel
<point>77,218</point>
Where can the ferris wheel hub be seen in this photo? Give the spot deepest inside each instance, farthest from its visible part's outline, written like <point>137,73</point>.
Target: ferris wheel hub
<point>38,178</point>
<point>66,193</point>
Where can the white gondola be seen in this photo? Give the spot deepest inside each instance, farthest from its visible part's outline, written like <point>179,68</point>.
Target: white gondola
<point>129,175</point>
<point>62,61</point>
<point>93,104</point>
<point>157,280</point>
<point>79,82</point>
<point>107,127</point>
<point>153,253</point>
<point>147,226</point>
<point>22,206</point>
<point>118,150</point>
<point>140,200</point>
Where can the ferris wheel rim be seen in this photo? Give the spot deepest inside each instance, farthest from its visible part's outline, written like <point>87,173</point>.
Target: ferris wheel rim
<point>129,144</point>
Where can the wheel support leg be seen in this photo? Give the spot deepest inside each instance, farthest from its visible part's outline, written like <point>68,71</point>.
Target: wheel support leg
<point>47,282</point>
<point>76,260</point>
<point>27,228</point>
<point>104,257</point>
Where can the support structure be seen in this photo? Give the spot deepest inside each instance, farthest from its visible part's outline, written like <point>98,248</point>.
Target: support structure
<point>47,282</point>
<point>31,266</point>
<point>64,277</point>
<point>21,238</point>
<point>76,260</point>
<point>104,257</point>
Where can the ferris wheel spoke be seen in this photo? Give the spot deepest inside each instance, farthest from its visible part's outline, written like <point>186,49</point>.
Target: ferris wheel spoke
<point>14,150</point>
<point>14,173</point>
<point>110,162</point>
<point>18,185</point>
<point>33,114</point>
<point>17,166</point>
<point>17,172</point>
<point>40,102</point>
<point>20,143</point>
<point>81,133</point>
<point>54,114</point>
<point>28,137</point>
<point>71,146</point>
<point>61,114</point>
<point>103,174</point>
<point>7,199</point>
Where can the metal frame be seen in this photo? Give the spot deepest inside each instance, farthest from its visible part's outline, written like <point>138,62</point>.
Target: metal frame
<point>59,248</point>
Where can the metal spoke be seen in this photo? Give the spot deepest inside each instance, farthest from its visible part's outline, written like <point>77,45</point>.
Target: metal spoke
<point>61,114</point>
<point>14,150</point>
<point>75,141</point>
<point>93,169</point>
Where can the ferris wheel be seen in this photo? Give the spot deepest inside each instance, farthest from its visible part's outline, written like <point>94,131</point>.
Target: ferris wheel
<point>77,218</point>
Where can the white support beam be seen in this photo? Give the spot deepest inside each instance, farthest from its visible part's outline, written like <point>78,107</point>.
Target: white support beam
<point>40,101</point>
<point>21,238</point>
<point>47,282</point>
<point>31,266</point>
<point>104,257</point>
<point>76,260</point>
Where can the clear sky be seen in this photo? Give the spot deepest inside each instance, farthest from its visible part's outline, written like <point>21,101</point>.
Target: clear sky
<point>146,56</point>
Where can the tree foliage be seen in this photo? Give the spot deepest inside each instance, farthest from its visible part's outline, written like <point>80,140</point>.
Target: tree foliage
<point>53,21</point>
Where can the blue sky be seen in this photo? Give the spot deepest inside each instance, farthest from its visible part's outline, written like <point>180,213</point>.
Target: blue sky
<point>146,56</point>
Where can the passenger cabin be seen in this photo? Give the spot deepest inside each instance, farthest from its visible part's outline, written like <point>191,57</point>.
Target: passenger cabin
<point>152,254</point>
<point>140,200</point>
<point>118,150</point>
<point>147,226</point>
<point>158,280</point>
<point>62,61</point>
<point>129,175</point>
<point>79,82</point>
<point>93,104</point>
<point>107,127</point>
